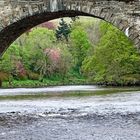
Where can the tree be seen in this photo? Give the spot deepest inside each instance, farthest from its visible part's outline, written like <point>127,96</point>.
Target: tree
<point>34,47</point>
<point>8,63</point>
<point>114,58</point>
<point>63,30</point>
<point>79,45</point>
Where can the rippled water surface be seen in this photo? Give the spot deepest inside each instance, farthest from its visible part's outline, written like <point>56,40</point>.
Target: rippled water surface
<point>70,113</point>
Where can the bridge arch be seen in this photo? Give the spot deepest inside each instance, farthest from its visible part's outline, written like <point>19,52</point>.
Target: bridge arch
<point>23,16</point>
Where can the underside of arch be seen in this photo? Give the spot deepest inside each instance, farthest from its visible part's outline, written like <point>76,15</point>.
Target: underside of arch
<point>10,33</point>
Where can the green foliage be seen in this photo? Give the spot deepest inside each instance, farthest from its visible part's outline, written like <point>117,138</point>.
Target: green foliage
<point>113,58</point>
<point>63,30</point>
<point>34,56</point>
<point>79,45</point>
<point>8,63</point>
<point>38,58</point>
<point>66,61</point>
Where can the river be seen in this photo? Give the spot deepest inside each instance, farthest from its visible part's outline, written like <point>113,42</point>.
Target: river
<point>70,113</point>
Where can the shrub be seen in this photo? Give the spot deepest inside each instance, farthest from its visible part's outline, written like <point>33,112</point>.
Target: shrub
<point>33,76</point>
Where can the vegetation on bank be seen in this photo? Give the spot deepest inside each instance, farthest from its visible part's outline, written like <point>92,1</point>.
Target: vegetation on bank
<point>115,60</point>
<point>46,82</point>
<point>81,52</point>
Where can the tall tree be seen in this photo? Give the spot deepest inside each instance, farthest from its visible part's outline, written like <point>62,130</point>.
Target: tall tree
<point>114,60</point>
<point>79,46</point>
<point>63,31</point>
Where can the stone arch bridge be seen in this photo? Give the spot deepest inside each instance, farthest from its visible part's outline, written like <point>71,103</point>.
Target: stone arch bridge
<point>18,16</point>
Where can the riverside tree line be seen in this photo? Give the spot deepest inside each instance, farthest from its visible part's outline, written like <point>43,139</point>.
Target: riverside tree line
<point>76,52</point>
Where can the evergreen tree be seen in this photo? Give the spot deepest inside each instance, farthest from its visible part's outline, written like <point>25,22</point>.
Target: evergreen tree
<point>63,30</point>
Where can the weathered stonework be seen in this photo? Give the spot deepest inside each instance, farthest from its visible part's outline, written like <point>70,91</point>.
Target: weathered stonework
<point>18,16</point>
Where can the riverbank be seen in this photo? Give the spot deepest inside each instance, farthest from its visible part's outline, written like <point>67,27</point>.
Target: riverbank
<point>62,82</point>
<point>44,83</point>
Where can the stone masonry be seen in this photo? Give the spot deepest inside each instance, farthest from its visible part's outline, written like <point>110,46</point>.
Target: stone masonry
<point>18,16</point>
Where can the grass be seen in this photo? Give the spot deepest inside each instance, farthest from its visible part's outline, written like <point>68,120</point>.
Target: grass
<point>46,82</point>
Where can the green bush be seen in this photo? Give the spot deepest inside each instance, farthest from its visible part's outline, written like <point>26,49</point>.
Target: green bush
<point>33,76</point>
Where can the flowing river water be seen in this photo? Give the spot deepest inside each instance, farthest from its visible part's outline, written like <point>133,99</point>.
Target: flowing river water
<point>70,113</point>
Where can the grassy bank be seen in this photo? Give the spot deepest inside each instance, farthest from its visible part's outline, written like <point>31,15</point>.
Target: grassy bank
<point>60,82</point>
<point>44,83</point>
